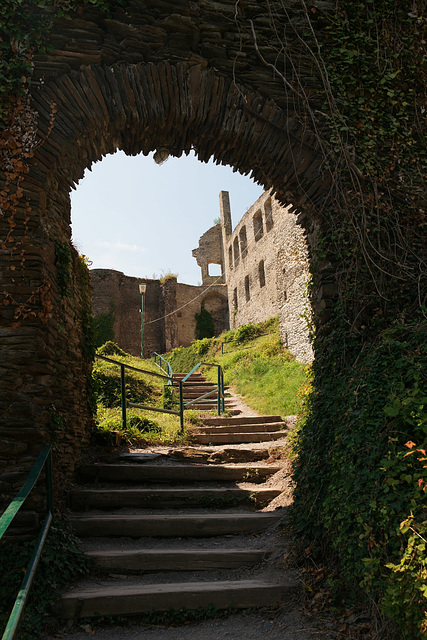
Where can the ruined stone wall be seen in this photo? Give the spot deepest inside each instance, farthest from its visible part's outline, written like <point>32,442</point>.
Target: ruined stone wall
<point>115,293</point>
<point>189,302</point>
<point>169,310</point>
<point>266,269</point>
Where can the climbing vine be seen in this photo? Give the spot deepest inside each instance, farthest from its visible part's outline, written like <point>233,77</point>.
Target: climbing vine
<point>357,492</point>
<point>24,29</point>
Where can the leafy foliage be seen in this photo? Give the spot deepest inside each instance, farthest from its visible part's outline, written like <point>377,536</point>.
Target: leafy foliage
<point>204,324</point>
<point>62,560</point>
<point>254,361</point>
<point>355,485</point>
<point>104,327</point>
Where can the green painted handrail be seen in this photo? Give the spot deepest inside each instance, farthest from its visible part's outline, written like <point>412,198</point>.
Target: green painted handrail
<point>219,388</point>
<point>168,370</point>
<point>44,458</point>
<point>124,403</point>
<point>22,495</point>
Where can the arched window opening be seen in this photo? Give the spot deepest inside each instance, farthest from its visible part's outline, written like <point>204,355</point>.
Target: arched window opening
<point>243,242</point>
<point>247,289</point>
<point>261,272</point>
<point>268,212</point>
<point>236,251</point>
<point>258,225</point>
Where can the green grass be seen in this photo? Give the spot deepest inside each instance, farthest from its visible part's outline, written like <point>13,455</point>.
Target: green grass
<point>254,362</point>
<point>142,388</point>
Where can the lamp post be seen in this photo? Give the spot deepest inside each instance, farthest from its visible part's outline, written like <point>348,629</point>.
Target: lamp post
<point>142,290</point>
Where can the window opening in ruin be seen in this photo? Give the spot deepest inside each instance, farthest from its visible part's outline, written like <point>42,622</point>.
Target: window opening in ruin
<point>247,290</point>
<point>235,299</point>
<point>230,256</point>
<point>268,211</point>
<point>261,273</point>
<point>214,269</point>
<point>243,242</point>
<point>236,251</point>
<point>258,225</point>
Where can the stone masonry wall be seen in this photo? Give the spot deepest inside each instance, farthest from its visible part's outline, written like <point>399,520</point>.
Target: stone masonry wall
<point>169,310</point>
<point>115,292</point>
<point>266,270</point>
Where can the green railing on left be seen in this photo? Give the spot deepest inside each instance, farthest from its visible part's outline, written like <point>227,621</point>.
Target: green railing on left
<point>44,460</point>
<point>125,404</point>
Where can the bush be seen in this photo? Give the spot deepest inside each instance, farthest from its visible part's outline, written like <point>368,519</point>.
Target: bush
<point>358,491</point>
<point>204,325</point>
<point>111,349</point>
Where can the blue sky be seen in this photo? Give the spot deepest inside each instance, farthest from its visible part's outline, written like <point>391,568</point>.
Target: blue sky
<point>144,219</point>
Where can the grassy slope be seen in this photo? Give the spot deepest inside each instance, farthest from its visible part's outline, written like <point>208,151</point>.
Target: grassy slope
<point>254,362</point>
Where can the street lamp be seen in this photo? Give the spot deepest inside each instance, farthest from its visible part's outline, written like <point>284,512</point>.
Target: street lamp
<point>142,290</point>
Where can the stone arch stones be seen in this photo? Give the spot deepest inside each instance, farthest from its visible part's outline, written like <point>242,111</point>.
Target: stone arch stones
<point>168,76</point>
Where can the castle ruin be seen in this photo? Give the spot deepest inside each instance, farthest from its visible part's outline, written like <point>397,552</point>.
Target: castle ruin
<point>264,273</point>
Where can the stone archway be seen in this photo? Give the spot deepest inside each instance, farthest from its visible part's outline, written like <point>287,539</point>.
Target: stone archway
<point>134,83</point>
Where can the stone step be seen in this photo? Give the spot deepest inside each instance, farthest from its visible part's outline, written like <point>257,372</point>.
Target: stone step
<point>241,428</point>
<point>166,498</point>
<point>205,406</point>
<point>127,472</point>
<point>147,560</point>
<point>195,377</point>
<point>172,525</point>
<point>237,438</point>
<point>224,420</point>
<point>134,599</point>
<point>190,395</point>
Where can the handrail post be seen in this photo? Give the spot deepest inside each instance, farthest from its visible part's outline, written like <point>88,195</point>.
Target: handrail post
<point>181,407</point>
<point>219,390</point>
<point>222,391</point>
<point>49,487</point>
<point>123,395</point>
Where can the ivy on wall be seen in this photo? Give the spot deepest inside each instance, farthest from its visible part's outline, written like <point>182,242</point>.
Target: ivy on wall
<point>104,327</point>
<point>204,325</point>
<point>359,494</point>
<point>24,28</point>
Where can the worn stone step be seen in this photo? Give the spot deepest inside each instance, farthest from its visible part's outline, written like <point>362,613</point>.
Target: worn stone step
<point>205,406</point>
<point>225,420</point>
<point>241,428</point>
<point>117,599</point>
<point>166,498</point>
<point>147,472</point>
<point>137,561</point>
<point>172,525</point>
<point>238,438</point>
<point>195,377</point>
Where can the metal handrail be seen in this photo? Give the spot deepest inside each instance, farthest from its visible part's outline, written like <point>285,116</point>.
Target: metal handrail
<point>168,369</point>
<point>44,458</point>
<point>125,404</point>
<point>219,388</point>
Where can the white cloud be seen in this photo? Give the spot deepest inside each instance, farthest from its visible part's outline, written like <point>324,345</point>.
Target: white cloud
<point>118,246</point>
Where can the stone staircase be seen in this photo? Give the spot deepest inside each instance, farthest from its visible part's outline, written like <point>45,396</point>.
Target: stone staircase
<point>171,534</point>
<point>194,387</point>
<point>236,429</point>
